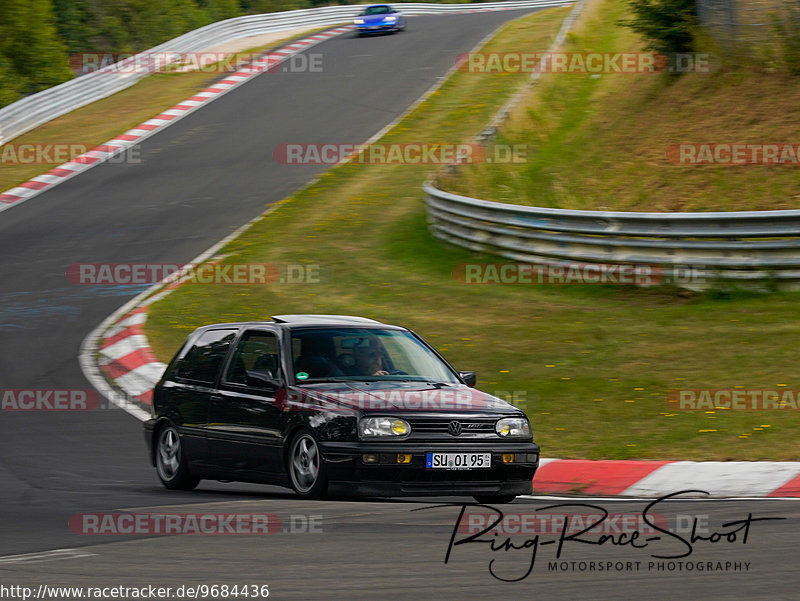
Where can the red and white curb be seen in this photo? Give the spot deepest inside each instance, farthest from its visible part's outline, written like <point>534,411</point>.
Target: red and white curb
<point>631,478</point>
<point>121,143</point>
<point>123,353</point>
<point>125,357</point>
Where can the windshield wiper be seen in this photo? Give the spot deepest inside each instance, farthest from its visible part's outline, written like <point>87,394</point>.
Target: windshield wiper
<point>322,380</point>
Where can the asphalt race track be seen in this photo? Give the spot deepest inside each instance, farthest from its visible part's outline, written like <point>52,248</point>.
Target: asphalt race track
<point>198,180</point>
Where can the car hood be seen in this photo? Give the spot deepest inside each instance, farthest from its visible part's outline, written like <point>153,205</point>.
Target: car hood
<point>375,19</point>
<point>392,397</point>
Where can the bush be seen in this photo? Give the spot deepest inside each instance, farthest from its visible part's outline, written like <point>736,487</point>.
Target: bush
<point>788,31</point>
<point>667,25</point>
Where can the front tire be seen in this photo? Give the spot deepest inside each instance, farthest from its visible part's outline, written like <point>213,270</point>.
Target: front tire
<point>494,499</point>
<point>306,467</point>
<point>171,463</point>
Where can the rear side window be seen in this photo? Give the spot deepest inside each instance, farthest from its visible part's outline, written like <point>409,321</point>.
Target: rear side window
<point>204,359</point>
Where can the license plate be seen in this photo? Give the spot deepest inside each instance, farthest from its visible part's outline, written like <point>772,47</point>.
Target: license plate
<point>458,461</point>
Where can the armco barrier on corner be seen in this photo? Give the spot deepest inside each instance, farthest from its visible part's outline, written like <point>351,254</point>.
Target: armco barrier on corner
<point>745,246</point>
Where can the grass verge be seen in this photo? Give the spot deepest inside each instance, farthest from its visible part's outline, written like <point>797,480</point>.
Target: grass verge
<point>590,365</point>
<point>600,142</point>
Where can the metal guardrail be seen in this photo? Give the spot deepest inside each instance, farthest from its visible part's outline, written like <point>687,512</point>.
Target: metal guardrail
<point>745,245</point>
<point>39,108</point>
<point>697,249</point>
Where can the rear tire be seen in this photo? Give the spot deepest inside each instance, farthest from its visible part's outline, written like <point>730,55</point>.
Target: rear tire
<point>171,463</point>
<point>494,499</point>
<point>307,472</point>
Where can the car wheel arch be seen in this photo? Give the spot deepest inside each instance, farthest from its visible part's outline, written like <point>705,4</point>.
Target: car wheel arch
<point>294,430</point>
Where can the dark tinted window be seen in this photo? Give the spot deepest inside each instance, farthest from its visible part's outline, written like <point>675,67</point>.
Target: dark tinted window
<point>353,353</point>
<point>203,360</point>
<point>378,10</point>
<point>255,359</point>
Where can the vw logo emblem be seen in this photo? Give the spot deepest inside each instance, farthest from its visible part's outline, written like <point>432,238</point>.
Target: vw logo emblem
<point>454,428</point>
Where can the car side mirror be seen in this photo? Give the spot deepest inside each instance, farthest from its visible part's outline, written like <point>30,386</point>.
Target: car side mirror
<point>469,377</point>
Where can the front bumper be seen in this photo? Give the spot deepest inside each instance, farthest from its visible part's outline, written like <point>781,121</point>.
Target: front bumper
<point>348,474</point>
<point>377,28</point>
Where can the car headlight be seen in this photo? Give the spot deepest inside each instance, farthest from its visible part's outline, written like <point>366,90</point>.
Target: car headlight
<point>359,21</point>
<point>513,427</point>
<point>370,427</point>
<point>391,19</point>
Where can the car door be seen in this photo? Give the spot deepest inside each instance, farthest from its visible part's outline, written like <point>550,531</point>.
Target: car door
<point>189,386</point>
<point>244,427</point>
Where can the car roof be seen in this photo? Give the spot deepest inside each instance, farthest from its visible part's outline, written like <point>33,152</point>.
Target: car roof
<point>322,319</point>
<point>304,320</point>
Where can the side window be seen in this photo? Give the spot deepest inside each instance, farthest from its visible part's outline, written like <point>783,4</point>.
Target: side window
<point>255,361</point>
<point>203,360</point>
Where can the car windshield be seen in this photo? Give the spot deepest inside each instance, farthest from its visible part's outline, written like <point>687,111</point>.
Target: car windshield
<point>377,10</point>
<point>359,354</point>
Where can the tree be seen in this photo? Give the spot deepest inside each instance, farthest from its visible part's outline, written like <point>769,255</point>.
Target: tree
<point>11,84</point>
<point>76,24</point>
<point>219,10</point>
<point>667,25</point>
<point>30,45</point>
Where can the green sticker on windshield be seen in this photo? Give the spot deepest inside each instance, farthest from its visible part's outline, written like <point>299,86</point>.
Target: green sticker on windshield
<point>301,375</point>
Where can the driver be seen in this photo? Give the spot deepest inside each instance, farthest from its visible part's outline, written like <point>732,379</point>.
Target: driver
<point>369,359</point>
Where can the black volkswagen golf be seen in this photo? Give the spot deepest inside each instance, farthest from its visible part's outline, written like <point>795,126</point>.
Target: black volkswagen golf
<point>332,404</point>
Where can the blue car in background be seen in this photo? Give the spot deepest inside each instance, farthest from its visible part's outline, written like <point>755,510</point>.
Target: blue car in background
<point>378,18</point>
